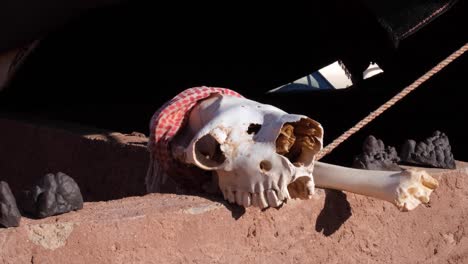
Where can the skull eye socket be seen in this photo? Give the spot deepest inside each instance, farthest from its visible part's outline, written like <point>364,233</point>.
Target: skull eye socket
<point>208,152</point>
<point>254,128</point>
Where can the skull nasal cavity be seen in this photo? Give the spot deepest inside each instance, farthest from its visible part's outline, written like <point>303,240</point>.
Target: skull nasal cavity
<point>208,151</point>
<point>265,165</point>
<point>254,128</point>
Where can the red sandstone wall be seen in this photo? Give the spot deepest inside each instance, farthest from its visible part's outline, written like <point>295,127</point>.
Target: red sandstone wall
<point>104,164</point>
<point>331,228</point>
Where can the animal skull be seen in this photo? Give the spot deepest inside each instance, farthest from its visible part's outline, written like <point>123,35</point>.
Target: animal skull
<point>260,154</point>
<point>263,156</point>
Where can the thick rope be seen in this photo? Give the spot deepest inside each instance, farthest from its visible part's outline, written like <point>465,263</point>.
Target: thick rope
<point>391,102</point>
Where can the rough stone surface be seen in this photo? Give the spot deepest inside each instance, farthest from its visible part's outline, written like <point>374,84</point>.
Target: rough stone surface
<point>333,227</point>
<point>49,236</point>
<point>375,156</point>
<point>434,151</point>
<point>96,159</point>
<point>53,194</point>
<point>9,213</point>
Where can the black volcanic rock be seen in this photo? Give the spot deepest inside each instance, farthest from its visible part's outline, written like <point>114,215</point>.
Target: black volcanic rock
<point>434,151</point>
<point>9,213</point>
<point>54,194</point>
<point>375,156</point>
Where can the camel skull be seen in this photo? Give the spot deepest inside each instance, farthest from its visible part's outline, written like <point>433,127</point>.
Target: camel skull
<point>263,156</point>
<point>260,154</point>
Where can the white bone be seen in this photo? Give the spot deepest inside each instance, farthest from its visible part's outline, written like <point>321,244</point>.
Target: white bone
<point>406,189</point>
<point>253,170</point>
<point>236,138</point>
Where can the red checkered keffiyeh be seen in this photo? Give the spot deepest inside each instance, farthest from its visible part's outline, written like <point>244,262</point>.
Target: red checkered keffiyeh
<point>165,124</point>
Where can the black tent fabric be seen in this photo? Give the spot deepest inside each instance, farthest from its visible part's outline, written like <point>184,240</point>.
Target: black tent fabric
<point>113,66</point>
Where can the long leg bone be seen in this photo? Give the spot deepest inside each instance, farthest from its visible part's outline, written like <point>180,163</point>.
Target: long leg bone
<point>406,189</point>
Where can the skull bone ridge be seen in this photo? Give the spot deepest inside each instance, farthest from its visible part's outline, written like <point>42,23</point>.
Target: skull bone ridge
<point>261,155</point>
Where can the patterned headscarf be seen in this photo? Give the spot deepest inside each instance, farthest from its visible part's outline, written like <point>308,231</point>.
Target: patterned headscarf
<point>164,125</point>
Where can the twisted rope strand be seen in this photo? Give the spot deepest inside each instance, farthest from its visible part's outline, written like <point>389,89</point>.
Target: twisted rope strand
<point>330,147</point>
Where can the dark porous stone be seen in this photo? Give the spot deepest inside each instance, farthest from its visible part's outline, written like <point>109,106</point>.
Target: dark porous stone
<point>54,194</point>
<point>434,151</point>
<point>375,156</point>
<point>9,213</point>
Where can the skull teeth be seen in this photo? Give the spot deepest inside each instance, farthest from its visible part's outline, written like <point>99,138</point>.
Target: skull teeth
<point>268,198</point>
<point>273,199</point>
<point>246,200</point>
<point>239,198</point>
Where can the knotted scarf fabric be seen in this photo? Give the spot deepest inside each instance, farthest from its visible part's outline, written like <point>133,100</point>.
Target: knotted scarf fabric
<point>164,125</point>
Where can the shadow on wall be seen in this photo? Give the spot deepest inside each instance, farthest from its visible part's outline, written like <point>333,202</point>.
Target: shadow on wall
<point>106,166</point>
